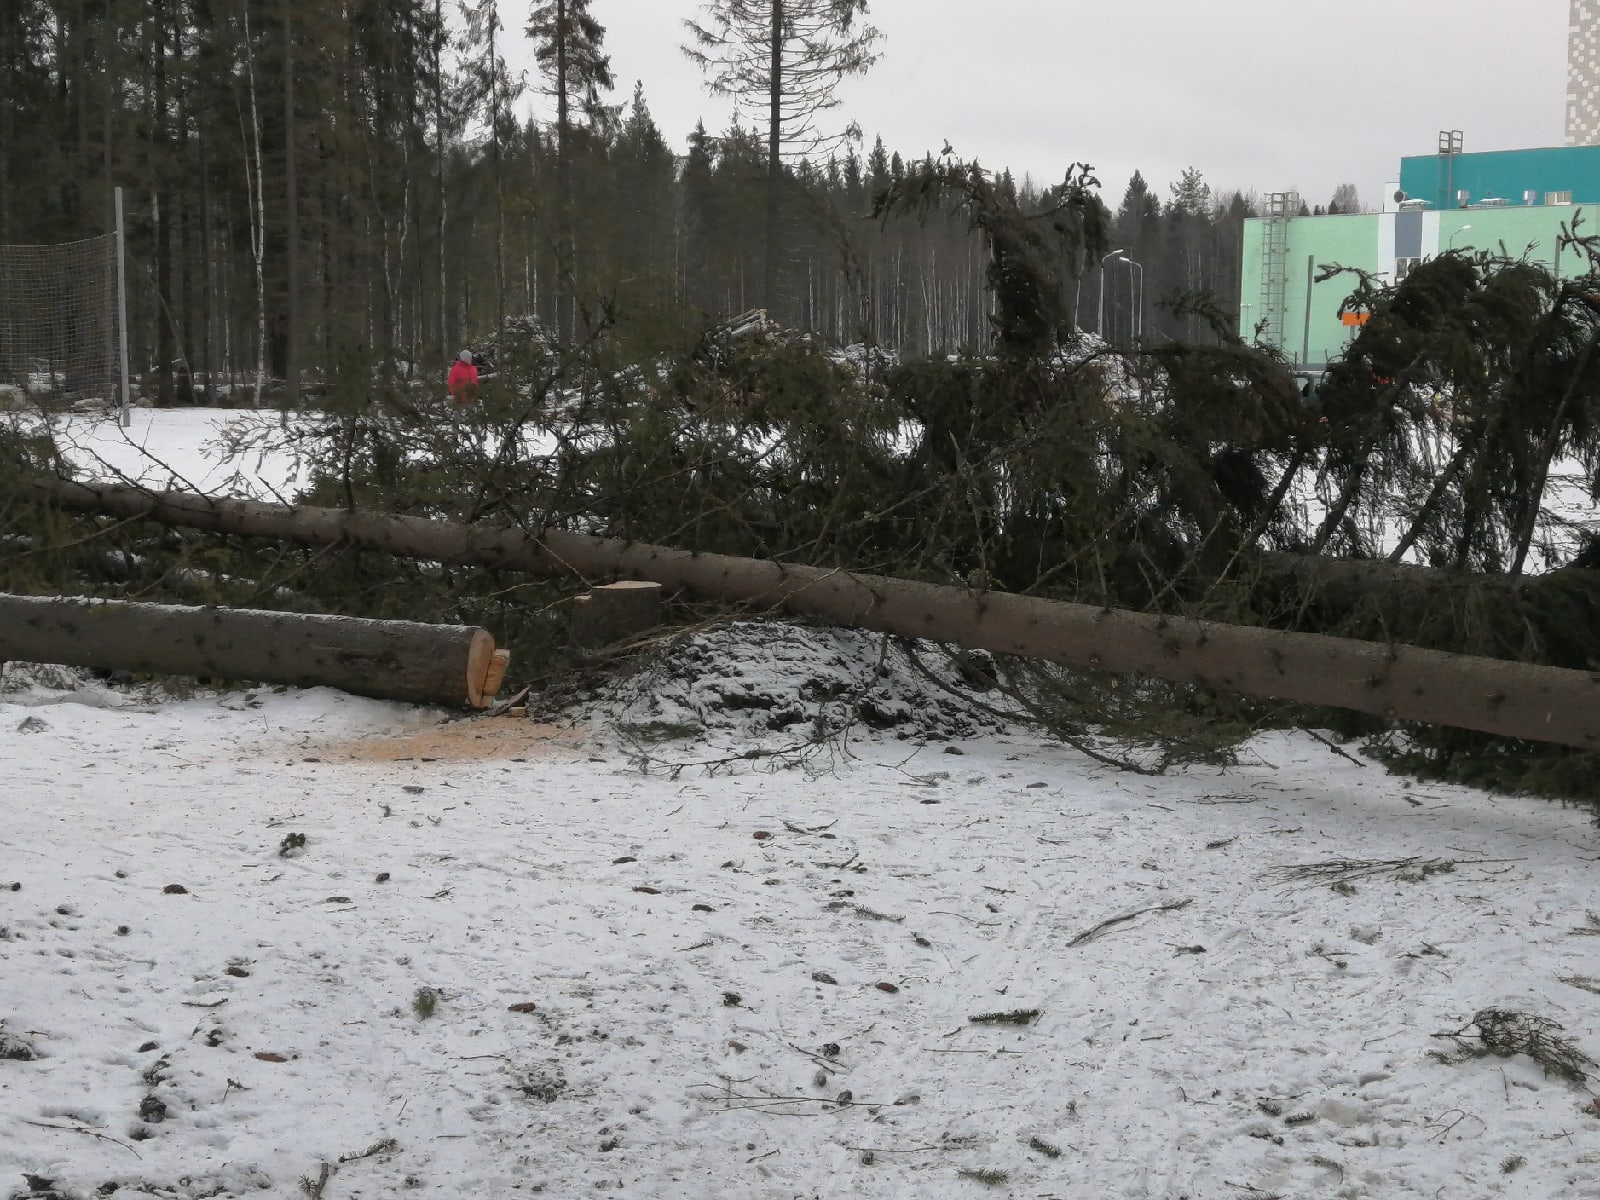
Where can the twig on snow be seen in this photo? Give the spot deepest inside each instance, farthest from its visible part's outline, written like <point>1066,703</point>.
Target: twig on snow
<point>313,1188</point>
<point>1331,745</point>
<point>765,1101</point>
<point>82,1129</point>
<point>1344,870</point>
<point>895,1149</point>
<point>1088,935</point>
<point>381,1146</point>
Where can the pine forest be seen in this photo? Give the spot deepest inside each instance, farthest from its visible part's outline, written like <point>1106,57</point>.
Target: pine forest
<point>312,183</point>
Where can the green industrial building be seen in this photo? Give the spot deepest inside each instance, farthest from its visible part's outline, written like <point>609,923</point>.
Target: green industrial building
<point>1510,201</point>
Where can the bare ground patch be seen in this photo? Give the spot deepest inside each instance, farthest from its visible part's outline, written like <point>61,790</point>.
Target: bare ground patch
<point>473,739</point>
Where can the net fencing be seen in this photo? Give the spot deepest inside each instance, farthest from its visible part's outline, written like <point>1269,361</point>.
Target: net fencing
<point>58,323</point>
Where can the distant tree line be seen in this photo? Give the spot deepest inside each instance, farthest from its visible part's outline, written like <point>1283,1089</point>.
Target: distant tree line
<point>319,187</point>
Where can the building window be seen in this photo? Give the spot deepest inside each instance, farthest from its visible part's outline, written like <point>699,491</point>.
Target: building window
<point>1404,267</point>
<point>1558,197</point>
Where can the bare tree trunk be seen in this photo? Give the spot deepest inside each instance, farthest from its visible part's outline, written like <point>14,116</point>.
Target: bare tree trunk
<point>565,272</point>
<point>291,308</point>
<point>166,350</point>
<point>258,225</point>
<point>1519,700</point>
<point>769,269</point>
<point>211,302</point>
<point>439,127</point>
<point>499,178</point>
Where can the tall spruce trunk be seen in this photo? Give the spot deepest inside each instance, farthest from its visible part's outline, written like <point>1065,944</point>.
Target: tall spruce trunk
<point>165,345</point>
<point>769,266</point>
<point>256,198</point>
<point>565,270</point>
<point>443,328</point>
<point>291,200</point>
<point>499,179</point>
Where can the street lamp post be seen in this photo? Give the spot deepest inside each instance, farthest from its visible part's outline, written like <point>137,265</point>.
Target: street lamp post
<point>1451,243</point>
<point>1100,314</point>
<point>1137,299</point>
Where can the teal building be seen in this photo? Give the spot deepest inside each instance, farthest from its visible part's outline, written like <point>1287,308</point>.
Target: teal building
<point>1521,178</point>
<point>1514,202</point>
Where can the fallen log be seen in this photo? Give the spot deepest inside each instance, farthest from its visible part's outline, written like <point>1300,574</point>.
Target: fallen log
<point>1511,699</point>
<point>390,660</point>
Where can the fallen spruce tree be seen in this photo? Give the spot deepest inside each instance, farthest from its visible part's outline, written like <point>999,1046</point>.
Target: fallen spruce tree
<point>1162,479</point>
<point>1397,682</point>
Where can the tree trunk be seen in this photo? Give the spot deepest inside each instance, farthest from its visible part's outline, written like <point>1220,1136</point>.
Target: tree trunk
<point>1400,682</point>
<point>439,164</point>
<point>291,200</point>
<point>391,660</point>
<point>499,179</point>
<point>769,266</point>
<point>566,279</point>
<point>166,350</point>
<point>256,195</point>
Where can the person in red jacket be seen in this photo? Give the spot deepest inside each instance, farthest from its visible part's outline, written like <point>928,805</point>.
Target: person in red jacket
<point>464,379</point>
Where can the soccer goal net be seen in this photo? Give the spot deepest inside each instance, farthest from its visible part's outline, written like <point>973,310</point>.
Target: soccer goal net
<point>60,337</point>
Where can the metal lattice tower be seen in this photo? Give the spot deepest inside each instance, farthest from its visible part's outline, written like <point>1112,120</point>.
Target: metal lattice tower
<point>1281,207</point>
<point>1583,73</point>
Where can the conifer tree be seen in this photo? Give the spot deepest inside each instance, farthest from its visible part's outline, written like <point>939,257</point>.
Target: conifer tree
<point>567,42</point>
<point>782,61</point>
<point>491,91</point>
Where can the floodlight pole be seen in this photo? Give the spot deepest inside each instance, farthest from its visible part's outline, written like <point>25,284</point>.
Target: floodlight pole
<point>126,414</point>
<point>1100,315</point>
<point>1137,296</point>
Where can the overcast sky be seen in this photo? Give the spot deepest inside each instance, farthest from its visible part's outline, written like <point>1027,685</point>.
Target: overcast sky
<point>1268,95</point>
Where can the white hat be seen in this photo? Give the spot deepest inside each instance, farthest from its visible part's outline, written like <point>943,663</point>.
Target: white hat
<point>465,356</point>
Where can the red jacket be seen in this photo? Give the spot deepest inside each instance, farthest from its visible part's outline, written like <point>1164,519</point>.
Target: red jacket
<point>463,382</point>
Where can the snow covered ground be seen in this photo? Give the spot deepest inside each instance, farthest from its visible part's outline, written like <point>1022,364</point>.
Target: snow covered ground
<point>175,448</point>
<point>260,937</point>
<point>286,943</point>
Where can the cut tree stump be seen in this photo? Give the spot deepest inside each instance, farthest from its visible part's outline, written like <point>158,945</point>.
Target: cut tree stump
<point>390,660</point>
<point>615,611</point>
